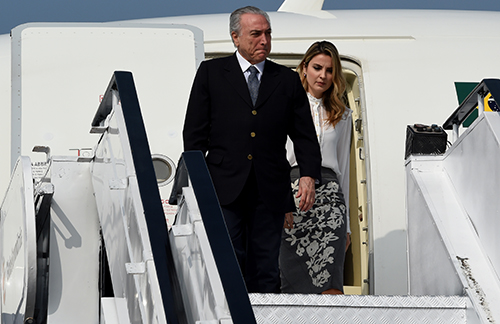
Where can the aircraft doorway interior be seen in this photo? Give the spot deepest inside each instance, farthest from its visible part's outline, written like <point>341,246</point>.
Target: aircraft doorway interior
<point>356,269</point>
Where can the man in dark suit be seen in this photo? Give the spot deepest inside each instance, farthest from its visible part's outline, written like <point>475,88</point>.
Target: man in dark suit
<point>240,111</point>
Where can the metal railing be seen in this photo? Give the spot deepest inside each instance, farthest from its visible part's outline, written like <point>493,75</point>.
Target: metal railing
<point>474,100</point>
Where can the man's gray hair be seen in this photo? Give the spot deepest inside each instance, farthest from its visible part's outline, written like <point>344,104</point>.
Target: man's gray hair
<point>235,18</point>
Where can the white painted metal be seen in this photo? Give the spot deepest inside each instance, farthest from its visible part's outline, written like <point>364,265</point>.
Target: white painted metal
<point>455,133</point>
<point>123,223</point>
<point>480,104</point>
<point>18,247</point>
<point>76,241</point>
<point>114,311</point>
<point>203,294</point>
<point>74,244</point>
<point>60,67</point>
<point>431,270</point>
<point>301,6</point>
<point>471,164</point>
<point>465,217</point>
<point>5,121</point>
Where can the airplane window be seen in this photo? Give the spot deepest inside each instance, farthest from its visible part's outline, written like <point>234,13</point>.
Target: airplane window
<point>164,169</point>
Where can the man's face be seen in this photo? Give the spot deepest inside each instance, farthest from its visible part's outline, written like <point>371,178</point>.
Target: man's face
<point>254,41</point>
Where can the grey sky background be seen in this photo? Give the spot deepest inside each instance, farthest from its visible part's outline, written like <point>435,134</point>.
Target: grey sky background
<point>16,12</point>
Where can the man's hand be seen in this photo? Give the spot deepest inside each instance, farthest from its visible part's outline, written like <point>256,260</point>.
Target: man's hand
<point>306,193</point>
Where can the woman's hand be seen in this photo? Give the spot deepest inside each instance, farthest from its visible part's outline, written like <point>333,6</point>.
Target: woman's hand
<point>288,220</point>
<point>347,241</point>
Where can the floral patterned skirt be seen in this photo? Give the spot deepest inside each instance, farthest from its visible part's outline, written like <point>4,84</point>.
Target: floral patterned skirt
<point>312,252</point>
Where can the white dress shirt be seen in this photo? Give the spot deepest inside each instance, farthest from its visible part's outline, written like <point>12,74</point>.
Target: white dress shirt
<point>244,64</point>
<point>335,145</point>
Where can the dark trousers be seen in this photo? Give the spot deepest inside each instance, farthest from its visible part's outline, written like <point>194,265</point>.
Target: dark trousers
<point>255,232</point>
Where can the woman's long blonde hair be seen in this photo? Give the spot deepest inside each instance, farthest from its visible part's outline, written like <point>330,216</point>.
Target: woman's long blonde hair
<point>333,98</point>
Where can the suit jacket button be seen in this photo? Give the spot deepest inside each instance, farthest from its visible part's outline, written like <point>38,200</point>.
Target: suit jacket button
<point>254,112</point>
<point>250,156</point>
<point>252,134</point>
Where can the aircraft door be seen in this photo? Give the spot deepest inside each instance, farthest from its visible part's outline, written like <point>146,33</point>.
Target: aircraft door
<point>59,70</point>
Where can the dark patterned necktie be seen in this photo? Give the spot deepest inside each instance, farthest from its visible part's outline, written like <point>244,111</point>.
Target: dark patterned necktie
<point>253,83</point>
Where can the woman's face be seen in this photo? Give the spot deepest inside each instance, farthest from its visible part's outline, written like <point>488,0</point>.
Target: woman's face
<point>319,75</point>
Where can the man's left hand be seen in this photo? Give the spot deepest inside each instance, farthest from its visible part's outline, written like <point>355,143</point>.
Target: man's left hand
<point>306,193</point>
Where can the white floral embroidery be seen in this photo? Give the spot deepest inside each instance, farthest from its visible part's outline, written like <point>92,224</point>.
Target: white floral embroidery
<point>314,231</point>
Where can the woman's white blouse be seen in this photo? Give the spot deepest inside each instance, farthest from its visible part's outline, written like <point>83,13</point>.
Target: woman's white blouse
<point>335,145</point>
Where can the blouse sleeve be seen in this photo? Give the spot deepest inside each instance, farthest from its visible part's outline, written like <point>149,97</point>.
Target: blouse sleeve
<point>343,155</point>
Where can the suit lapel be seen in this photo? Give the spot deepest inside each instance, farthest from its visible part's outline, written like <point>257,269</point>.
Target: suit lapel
<point>268,82</point>
<point>236,79</point>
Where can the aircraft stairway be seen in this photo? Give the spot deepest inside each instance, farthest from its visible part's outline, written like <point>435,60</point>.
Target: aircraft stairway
<point>108,257</point>
<point>453,208</point>
<point>196,213</point>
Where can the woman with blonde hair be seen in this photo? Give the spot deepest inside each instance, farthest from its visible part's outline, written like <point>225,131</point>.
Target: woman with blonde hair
<point>314,242</point>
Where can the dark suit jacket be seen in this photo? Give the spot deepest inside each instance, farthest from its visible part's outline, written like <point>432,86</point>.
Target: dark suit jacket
<point>222,121</point>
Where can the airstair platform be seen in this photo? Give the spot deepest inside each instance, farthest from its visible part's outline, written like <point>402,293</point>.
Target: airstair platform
<point>301,309</point>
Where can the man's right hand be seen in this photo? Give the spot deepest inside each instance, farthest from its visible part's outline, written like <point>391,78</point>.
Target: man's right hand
<point>306,193</point>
